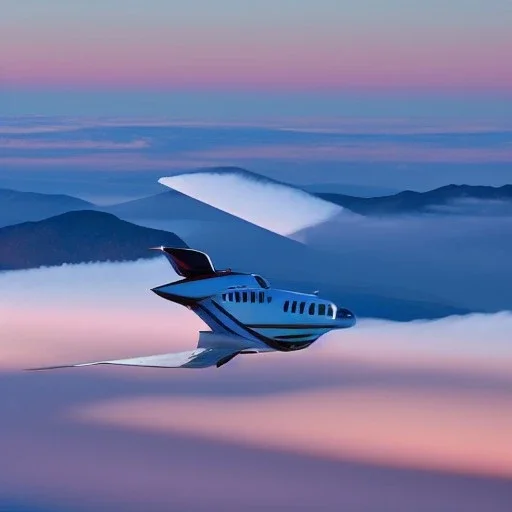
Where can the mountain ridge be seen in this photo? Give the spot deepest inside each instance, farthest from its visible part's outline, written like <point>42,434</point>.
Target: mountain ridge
<point>409,201</point>
<point>17,207</point>
<point>78,237</point>
<point>20,206</point>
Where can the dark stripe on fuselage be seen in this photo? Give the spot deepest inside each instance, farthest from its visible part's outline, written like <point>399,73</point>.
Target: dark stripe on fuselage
<point>273,343</point>
<point>290,326</point>
<point>214,318</point>
<point>293,336</point>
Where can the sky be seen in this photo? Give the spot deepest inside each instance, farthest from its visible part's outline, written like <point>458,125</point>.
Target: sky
<point>254,58</point>
<point>107,160</point>
<point>101,98</point>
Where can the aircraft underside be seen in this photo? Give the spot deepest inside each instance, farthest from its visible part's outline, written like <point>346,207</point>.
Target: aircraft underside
<point>261,336</point>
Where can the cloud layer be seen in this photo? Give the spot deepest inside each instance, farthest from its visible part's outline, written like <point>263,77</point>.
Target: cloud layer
<point>267,204</point>
<point>383,400</point>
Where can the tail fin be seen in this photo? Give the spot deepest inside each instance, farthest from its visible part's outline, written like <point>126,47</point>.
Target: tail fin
<point>188,262</point>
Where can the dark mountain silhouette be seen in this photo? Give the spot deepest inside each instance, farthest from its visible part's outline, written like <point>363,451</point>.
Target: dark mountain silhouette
<point>16,207</point>
<point>410,201</point>
<point>76,237</point>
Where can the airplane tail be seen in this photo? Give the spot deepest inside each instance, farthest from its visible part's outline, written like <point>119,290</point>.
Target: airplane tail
<point>188,262</point>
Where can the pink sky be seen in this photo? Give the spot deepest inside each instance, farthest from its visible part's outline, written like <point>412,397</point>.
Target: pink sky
<point>212,57</point>
<point>400,427</point>
<point>401,421</point>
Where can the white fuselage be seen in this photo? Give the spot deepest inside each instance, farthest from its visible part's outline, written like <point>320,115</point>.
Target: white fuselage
<point>244,305</point>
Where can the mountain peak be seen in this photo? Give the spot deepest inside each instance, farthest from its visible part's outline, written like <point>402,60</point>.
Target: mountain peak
<point>77,237</point>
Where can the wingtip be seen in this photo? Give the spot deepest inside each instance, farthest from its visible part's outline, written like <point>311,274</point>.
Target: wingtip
<point>43,368</point>
<point>59,367</point>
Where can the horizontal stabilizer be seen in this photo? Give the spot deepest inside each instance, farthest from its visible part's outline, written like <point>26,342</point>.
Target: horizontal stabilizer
<point>199,358</point>
<point>188,262</point>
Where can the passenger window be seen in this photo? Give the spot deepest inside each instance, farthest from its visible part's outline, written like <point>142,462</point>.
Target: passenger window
<point>244,296</point>
<point>301,308</point>
<point>237,296</point>
<point>253,296</point>
<point>230,297</point>
<point>321,309</point>
<point>312,308</point>
<point>286,305</point>
<point>224,296</point>
<point>330,311</point>
<point>262,297</point>
<point>294,306</point>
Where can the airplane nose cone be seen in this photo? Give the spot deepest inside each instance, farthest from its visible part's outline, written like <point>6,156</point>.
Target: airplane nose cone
<point>345,317</point>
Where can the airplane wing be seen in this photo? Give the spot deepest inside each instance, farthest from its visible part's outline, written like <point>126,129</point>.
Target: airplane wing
<point>199,358</point>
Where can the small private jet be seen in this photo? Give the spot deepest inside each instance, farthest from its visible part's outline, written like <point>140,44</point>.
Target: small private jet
<point>245,314</point>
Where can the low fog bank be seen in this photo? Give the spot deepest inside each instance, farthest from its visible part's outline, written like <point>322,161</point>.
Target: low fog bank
<point>255,199</point>
<point>476,341</point>
<point>381,402</point>
<point>473,207</point>
<point>90,311</point>
<point>93,311</point>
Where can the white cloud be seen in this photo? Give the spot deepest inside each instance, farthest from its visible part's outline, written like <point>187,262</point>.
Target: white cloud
<point>84,312</point>
<point>273,206</point>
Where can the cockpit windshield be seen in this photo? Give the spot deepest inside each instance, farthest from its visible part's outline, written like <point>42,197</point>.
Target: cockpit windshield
<point>344,313</point>
<point>262,282</point>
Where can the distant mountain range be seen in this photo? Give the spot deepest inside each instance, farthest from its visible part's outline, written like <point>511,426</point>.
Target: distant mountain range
<point>76,237</point>
<point>16,207</point>
<point>92,233</point>
<point>410,201</point>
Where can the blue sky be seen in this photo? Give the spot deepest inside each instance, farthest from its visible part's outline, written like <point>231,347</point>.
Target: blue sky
<point>232,58</point>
